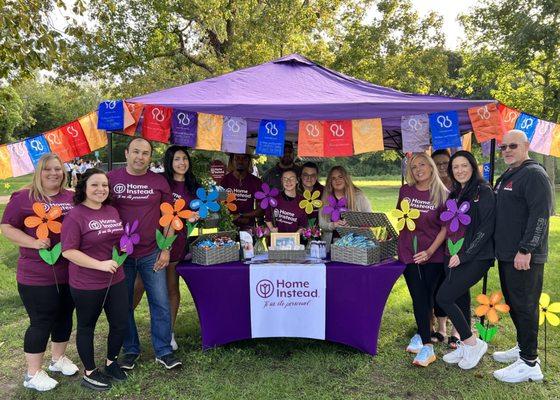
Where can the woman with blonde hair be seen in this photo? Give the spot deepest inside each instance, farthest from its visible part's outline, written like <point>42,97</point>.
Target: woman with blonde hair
<point>339,185</point>
<point>43,288</point>
<point>425,192</point>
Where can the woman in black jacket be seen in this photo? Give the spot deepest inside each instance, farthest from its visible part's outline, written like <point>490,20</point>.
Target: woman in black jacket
<point>471,217</point>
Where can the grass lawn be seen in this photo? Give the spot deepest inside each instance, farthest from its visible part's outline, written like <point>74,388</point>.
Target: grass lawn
<point>288,368</point>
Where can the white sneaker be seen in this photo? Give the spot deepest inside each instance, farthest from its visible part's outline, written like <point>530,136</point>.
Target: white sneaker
<point>507,356</point>
<point>40,381</point>
<point>415,344</point>
<point>456,355</point>
<point>64,365</point>
<point>519,371</point>
<point>473,354</point>
<point>173,343</point>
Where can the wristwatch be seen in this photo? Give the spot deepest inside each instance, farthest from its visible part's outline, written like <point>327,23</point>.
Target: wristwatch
<point>523,250</point>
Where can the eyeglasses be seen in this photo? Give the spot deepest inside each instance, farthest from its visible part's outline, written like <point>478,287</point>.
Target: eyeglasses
<point>308,176</point>
<point>511,146</point>
<point>288,179</point>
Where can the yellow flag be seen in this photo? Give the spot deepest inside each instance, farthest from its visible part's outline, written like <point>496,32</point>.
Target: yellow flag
<point>96,138</point>
<point>555,146</point>
<point>209,135</point>
<point>5,165</point>
<point>367,135</point>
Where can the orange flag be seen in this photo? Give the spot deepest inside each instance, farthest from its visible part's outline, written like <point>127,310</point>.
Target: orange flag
<point>466,141</point>
<point>134,110</point>
<point>367,135</point>
<point>60,145</point>
<point>76,137</point>
<point>5,165</point>
<point>209,135</point>
<point>555,146</point>
<point>310,139</point>
<point>96,138</point>
<point>487,123</point>
<point>509,116</point>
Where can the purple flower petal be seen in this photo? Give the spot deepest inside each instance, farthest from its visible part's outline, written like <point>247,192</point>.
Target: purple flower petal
<point>265,188</point>
<point>264,203</point>
<point>332,201</point>
<point>335,216</point>
<point>446,216</point>
<point>451,205</point>
<point>273,201</point>
<point>273,192</point>
<point>342,202</point>
<point>465,206</point>
<point>134,226</point>
<point>260,195</point>
<point>135,238</point>
<point>124,242</point>
<point>454,227</point>
<point>126,230</point>
<point>328,209</point>
<point>464,219</point>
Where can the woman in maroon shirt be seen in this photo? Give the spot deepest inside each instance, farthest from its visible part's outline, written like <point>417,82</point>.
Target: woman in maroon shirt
<point>287,216</point>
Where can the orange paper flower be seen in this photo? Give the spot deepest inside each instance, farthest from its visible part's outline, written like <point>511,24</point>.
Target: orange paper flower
<point>43,220</point>
<point>229,202</point>
<point>172,214</point>
<point>490,305</point>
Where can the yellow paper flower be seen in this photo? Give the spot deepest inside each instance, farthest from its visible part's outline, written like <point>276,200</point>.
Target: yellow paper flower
<point>310,201</point>
<point>548,310</point>
<point>406,215</point>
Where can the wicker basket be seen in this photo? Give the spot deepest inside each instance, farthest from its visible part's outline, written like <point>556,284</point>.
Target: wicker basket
<point>355,255</point>
<point>215,255</point>
<point>287,255</point>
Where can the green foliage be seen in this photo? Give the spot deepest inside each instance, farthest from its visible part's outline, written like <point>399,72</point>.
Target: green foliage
<point>11,113</point>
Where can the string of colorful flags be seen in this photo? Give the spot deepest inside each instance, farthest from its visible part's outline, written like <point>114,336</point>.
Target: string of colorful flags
<point>316,138</point>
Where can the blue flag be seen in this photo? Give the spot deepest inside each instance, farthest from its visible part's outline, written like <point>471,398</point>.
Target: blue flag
<point>270,141</point>
<point>527,123</point>
<point>36,147</point>
<point>111,115</point>
<point>445,130</point>
<point>486,171</point>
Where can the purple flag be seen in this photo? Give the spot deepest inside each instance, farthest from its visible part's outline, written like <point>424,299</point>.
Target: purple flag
<point>415,133</point>
<point>234,135</point>
<point>486,148</point>
<point>183,128</point>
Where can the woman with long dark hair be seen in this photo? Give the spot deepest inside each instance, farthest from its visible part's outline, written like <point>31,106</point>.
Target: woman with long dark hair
<point>473,197</point>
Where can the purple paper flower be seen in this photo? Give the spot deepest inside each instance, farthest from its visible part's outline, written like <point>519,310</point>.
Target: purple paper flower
<point>335,207</point>
<point>456,215</point>
<point>267,196</point>
<point>129,239</point>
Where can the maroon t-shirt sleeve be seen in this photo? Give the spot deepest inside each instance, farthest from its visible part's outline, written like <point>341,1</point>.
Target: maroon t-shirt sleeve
<point>71,234</point>
<point>12,215</point>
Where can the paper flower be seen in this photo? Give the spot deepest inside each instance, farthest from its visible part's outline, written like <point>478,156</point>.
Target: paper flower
<point>262,231</point>
<point>406,215</point>
<point>7,186</point>
<point>313,232</point>
<point>229,202</point>
<point>335,207</point>
<point>490,305</point>
<point>548,311</point>
<point>457,215</point>
<point>205,202</point>
<point>172,214</point>
<point>310,201</point>
<point>267,196</point>
<point>43,220</point>
<point>129,238</point>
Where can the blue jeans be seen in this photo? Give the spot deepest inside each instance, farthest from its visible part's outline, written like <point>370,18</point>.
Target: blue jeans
<point>155,284</point>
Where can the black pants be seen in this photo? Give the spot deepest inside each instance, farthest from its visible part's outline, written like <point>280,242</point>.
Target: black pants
<point>50,314</point>
<point>88,309</point>
<point>422,281</point>
<point>438,311</point>
<point>522,290</point>
<point>454,294</point>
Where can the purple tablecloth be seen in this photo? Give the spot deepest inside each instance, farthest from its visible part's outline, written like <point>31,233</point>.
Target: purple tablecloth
<point>356,297</point>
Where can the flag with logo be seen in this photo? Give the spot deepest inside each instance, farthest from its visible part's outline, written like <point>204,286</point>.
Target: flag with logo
<point>555,145</point>
<point>111,115</point>
<point>135,110</point>
<point>209,133</point>
<point>338,138</point>
<point>36,147</point>
<point>542,139</point>
<point>486,171</point>
<point>270,140</point>
<point>96,138</point>
<point>76,138</point>
<point>234,135</point>
<point>5,164</point>
<point>415,133</point>
<point>445,130</point>
<point>509,116</point>
<point>60,145</point>
<point>183,128</point>
<point>367,135</point>
<point>527,123</point>
<point>157,123</point>
<point>19,157</point>
<point>310,139</point>
<point>487,122</point>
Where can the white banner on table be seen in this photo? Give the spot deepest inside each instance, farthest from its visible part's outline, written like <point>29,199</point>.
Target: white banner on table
<point>288,300</point>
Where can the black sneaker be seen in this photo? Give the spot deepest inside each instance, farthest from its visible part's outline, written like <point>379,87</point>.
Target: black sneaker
<point>169,361</point>
<point>127,361</point>
<point>96,381</point>
<point>114,371</point>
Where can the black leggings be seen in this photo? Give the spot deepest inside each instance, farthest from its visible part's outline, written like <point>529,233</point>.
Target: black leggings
<point>50,314</point>
<point>88,310</point>
<point>451,294</point>
<point>422,281</point>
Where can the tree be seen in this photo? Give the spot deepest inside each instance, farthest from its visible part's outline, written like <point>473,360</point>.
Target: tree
<point>11,110</point>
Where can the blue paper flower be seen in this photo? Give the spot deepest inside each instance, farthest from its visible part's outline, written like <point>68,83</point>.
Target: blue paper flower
<point>206,202</point>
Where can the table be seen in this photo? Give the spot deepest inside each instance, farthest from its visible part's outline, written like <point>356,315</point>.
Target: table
<point>356,297</point>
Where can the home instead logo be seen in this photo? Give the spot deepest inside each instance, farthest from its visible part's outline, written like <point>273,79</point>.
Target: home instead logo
<point>285,289</point>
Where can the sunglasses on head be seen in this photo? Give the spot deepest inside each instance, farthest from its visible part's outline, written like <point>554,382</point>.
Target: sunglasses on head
<point>511,146</point>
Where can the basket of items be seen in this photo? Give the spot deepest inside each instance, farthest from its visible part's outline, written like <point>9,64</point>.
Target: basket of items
<point>285,247</point>
<point>215,248</point>
<point>368,239</point>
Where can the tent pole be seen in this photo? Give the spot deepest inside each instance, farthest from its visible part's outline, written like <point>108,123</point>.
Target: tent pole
<point>110,151</point>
